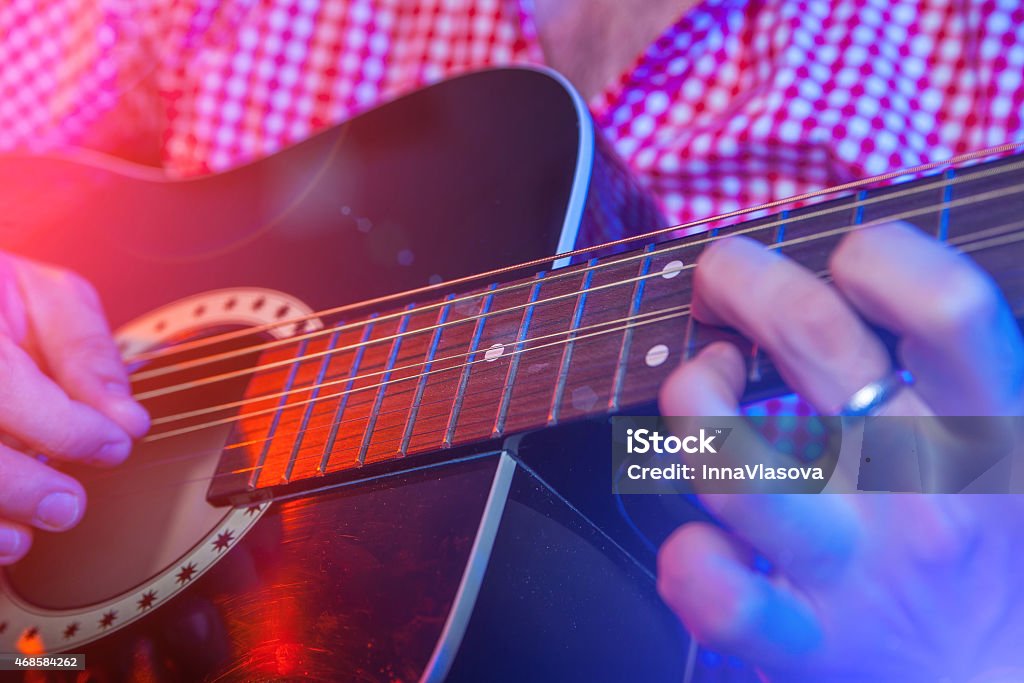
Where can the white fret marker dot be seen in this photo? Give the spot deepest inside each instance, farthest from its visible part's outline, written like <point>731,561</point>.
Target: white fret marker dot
<point>671,269</point>
<point>656,356</point>
<point>494,353</point>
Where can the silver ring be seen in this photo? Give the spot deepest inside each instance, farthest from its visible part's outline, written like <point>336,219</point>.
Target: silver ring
<point>873,396</point>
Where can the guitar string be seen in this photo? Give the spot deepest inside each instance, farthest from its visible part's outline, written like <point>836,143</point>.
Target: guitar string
<point>335,351</point>
<point>439,287</point>
<point>177,417</point>
<point>995,239</point>
<point>554,277</point>
<point>559,275</point>
<point>304,388</point>
<point>193,384</point>
<point>228,420</point>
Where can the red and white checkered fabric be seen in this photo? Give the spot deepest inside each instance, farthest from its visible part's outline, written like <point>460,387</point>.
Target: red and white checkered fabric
<point>740,102</point>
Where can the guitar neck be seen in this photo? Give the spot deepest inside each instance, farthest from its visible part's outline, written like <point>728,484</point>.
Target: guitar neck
<point>592,338</point>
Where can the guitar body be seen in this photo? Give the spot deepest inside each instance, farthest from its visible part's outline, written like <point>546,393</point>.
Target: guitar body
<point>475,568</point>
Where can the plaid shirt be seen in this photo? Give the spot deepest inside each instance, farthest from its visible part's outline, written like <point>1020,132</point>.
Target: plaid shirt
<point>739,102</point>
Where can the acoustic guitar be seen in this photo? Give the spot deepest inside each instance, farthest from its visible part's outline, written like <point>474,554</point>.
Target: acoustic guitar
<point>380,370</point>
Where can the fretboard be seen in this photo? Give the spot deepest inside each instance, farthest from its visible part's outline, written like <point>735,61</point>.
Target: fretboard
<point>592,338</point>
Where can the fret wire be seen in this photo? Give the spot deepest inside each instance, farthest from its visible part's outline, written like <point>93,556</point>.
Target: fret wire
<point>410,420</point>
<point>627,336</point>
<point>439,431</point>
<point>947,197</point>
<point>513,366</point>
<point>307,414</point>
<point>371,420</point>
<point>780,229</point>
<point>563,366</point>
<point>453,417</point>
<point>396,440</point>
<point>436,402</point>
<point>265,451</point>
<point>858,211</point>
<point>690,339</point>
<point>343,423</point>
<point>346,392</point>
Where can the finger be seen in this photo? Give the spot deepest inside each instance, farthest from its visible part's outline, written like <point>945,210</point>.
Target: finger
<point>938,532</point>
<point>71,333</point>
<point>36,495</point>
<point>15,541</point>
<point>710,385</point>
<point>705,577</point>
<point>819,345</point>
<point>37,412</point>
<point>957,331</point>
<point>813,539</point>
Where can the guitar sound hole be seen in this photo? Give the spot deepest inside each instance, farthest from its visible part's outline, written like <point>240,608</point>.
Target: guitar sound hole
<point>145,515</point>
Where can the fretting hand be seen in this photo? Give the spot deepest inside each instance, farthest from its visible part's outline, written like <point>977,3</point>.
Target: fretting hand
<point>879,588</point>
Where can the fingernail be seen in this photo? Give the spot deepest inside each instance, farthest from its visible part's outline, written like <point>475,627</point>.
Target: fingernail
<point>129,414</point>
<point>10,543</point>
<point>134,418</point>
<point>112,453</point>
<point>58,511</point>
